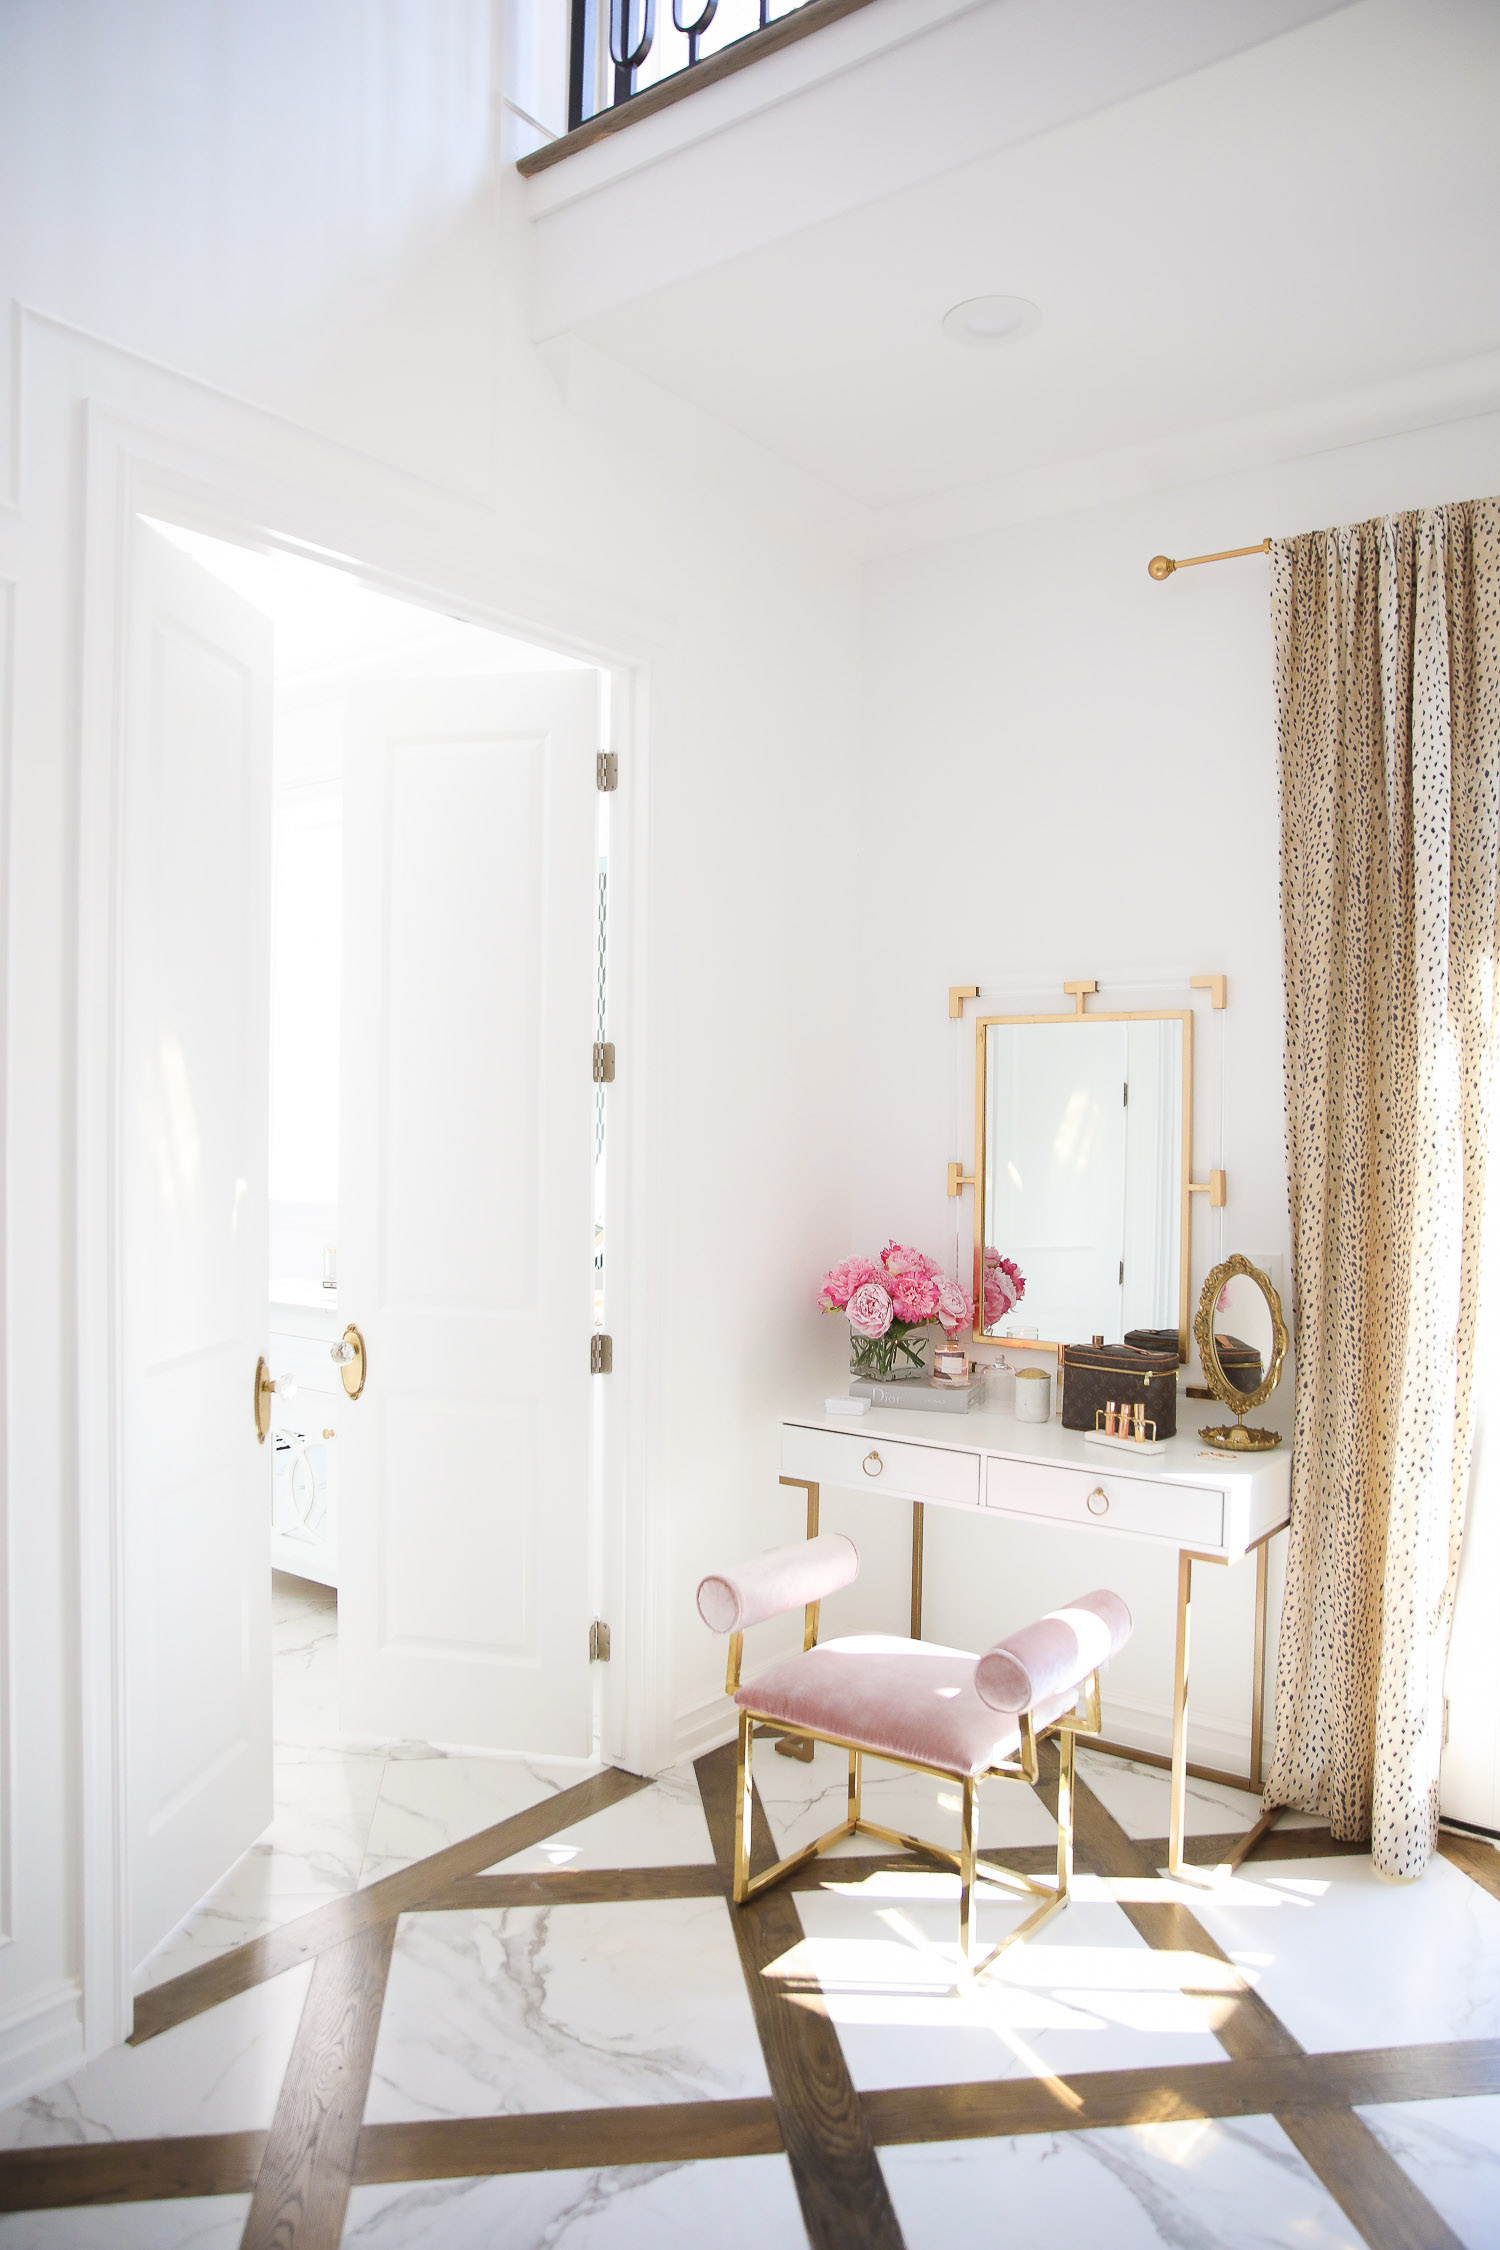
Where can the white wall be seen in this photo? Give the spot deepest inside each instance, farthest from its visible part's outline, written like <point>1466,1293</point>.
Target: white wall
<point>1067,770</point>
<point>307,208</point>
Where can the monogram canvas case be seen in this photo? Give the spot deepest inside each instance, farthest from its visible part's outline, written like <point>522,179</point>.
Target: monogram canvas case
<point>1093,1374</point>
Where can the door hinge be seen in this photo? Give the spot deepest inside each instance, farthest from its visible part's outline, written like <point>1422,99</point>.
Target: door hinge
<point>604,1062</point>
<point>1122,1271</point>
<point>607,770</point>
<point>598,1643</point>
<point>601,1355</point>
<point>1125,1104</point>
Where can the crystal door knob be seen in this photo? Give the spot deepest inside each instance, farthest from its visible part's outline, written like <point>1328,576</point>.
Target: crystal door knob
<point>348,1355</point>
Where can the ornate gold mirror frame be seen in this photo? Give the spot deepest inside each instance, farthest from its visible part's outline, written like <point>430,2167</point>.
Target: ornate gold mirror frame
<point>1234,1437</point>
<point>1214,1187</point>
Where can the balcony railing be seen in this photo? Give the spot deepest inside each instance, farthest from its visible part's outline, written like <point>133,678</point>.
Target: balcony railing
<point>621,48</point>
<point>629,58</point>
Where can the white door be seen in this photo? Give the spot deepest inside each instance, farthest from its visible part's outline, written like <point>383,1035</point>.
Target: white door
<point>465,1234</point>
<point>193,1096</point>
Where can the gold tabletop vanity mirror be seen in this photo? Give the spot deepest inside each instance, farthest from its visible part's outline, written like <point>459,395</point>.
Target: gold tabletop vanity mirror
<point>1242,1341</point>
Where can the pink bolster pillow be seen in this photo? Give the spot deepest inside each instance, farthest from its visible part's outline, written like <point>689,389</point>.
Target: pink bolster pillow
<point>1055,1655</point>
<point>786,1578</point>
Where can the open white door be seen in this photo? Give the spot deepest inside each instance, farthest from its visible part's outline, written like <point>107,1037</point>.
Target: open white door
<point>465,1233</point>
<point>194,1067</point>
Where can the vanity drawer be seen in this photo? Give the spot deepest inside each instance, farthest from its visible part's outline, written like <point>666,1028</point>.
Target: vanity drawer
<point>912,1472</point>
<point>1187,1515</point>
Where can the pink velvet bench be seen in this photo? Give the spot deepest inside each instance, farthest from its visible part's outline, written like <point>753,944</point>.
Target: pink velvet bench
<point>940,1710</point>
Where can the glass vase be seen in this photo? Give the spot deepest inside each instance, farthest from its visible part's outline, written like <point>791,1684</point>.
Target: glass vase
<point>899,1356</point>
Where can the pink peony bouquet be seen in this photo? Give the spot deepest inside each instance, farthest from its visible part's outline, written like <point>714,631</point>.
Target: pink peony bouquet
<point>888,1302</point>
<point>1004,1287</point>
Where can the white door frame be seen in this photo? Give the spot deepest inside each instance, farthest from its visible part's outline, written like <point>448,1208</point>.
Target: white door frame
<point>230,470</point>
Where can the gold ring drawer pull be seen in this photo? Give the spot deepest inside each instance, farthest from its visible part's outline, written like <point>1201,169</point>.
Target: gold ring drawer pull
<point>879,1464</point>
<point>1098,1501</point>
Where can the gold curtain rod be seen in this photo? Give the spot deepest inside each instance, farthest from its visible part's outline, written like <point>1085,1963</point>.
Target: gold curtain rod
<point>1162,566</point>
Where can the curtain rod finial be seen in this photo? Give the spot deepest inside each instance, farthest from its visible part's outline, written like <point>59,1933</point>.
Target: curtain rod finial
<point>1161,566</point>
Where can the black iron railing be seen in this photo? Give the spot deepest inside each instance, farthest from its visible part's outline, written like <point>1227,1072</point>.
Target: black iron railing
<point>619,48</point>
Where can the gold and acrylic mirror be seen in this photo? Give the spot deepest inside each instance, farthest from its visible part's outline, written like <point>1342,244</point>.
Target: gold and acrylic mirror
<point>1084,1127</point>
<point>1242,1341</point>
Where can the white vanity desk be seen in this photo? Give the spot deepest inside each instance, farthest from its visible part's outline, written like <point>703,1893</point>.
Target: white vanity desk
<point>1199,1505</point>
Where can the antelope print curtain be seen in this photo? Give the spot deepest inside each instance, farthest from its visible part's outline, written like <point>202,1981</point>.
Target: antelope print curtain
<point>1388,677</point>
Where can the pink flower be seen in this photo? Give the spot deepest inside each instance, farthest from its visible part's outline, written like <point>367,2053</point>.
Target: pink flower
<point>914,1296</point>
<point>841,1281</point>
<point>955,1307</point>
<point>870,1309</point>
<point>1004,1287</point>
<point>898,1259</point>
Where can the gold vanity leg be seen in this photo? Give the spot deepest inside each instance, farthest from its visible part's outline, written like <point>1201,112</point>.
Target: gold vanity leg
<point>917,1519</point>
<point>743,1785</point>
<point>1177,1812</point>
<point>854,1780</point>
<point>1258,1675</point>
<point>1064,1813</point>
<point>791,1746</point>
<point>802,1484</point>
<point>968,1933</point>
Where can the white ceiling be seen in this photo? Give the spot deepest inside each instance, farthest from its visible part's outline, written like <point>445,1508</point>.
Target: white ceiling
<point>1308,218</point>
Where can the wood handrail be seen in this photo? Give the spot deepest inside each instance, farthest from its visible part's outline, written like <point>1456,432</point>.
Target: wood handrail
<point>800,24</point>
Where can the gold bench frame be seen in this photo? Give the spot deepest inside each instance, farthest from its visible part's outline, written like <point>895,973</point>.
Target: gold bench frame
<point>965,1861</point>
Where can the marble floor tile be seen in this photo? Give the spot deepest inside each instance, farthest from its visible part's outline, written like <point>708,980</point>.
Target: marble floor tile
<point>304,1669</point>
<point>568,2007</point>
<point>732,2203</point>
<point>312,1851</point>
<point>316,1842</point>
<point>217,2073</point>
<point>802,1802</point>
<point>1203,2185</point>
<point>218,1926</point>
<point>1347,1960</point>
<point>1085,1994</point>
<point>209,2222</point>
<point>426,1804</point>
<point>1137,1797</point>
<point>1451,2150</point>
<point>662,1826</point>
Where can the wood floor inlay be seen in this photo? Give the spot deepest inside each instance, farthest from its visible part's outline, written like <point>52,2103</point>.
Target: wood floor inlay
<point>1366,2182</point>
<point>302,2189</point>
<point>1476,1858</point>
<point>1091,2101</point>
<point>179,1998</point>
<point>1244,2026</point>
<point>1278,1843</point>
<point>846,2204</point>
<point>77,2174</point>
<point>568,2140</point>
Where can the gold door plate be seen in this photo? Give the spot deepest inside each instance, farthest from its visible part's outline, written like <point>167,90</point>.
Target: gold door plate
<point>352,1370</point>
<point>264,1390</point>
